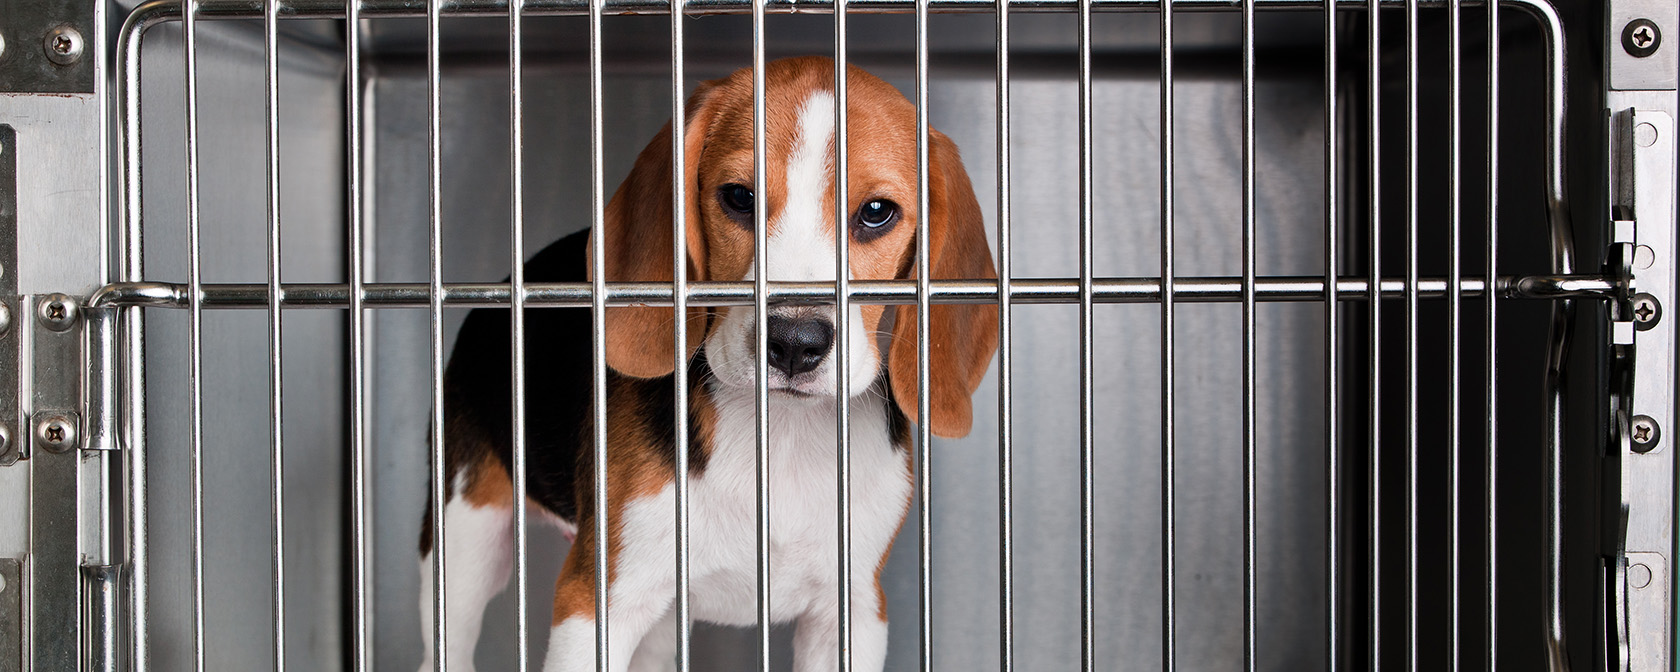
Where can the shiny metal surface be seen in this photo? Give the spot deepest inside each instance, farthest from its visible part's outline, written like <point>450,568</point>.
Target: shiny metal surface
<point>276,362</point>
<point>434,315</point>
<point>60,538</point>
<point>516,272</point>
<point>924,309</point>
<point>761,344</point>
<point>1028,291</point>
<point>195,330</point>
<point>15,503</point>
<point>679,333</point>
<point>1645,149</point>
<point>598,338</point>
<point>1169,428</point>
<point>11,612</point>
<point>1490,343</point>
<point>1373,409</point>
<point>1005,357</point>
<point>1333,507</point>
<point>842,361</point>
<point>1087,356</point>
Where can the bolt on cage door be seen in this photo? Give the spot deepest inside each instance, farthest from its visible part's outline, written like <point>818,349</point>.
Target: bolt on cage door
<point>1272,396</point>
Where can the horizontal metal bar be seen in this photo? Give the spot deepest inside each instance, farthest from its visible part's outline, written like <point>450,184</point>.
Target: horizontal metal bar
<point>164,10</point>
<point>876,292</point>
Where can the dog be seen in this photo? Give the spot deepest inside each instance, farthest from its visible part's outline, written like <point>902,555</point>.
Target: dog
<point>803,543</point>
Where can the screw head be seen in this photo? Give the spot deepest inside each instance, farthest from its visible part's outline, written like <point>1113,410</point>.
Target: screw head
<point>5,438</point>
<point>1645,432</point>
<point>63,45</point>
<point>58,312</point>
<point>1646,311</point>
<point>1641,37</point>
<point>56,432</point>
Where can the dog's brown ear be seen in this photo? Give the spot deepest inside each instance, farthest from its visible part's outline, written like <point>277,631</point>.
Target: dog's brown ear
<point>638,230</point>
<point>961,338</point>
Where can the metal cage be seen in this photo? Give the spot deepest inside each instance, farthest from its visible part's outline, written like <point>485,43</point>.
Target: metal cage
<point>1317,349</point>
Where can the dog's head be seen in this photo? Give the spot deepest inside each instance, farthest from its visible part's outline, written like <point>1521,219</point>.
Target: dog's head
<point>721,196</point>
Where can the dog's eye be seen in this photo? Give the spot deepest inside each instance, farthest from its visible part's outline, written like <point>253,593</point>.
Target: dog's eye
<point>874,218</point>
<point>737,201</point>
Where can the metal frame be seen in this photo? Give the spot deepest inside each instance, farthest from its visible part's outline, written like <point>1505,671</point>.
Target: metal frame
<point>111,409</point>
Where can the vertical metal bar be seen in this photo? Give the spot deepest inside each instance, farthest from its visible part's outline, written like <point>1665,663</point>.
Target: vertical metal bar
<point>1373,60</point>
<point>361,532</point>
<point>924,408</point>
<point>1412,335</point>
<point>1168,468</point>
<point>131,260</point>
<point>1563,262</point>
<point>842,313</point>
<point>1490,434</point>
<point>277,466</point>
<point>1006,384</point>
<point>679,311</point>
<point>761,338</point>
<point>434,84</point>
<point>1454,307</point>
<point>1332,349</point>
<point>1248,331</point>
<point>598,306</point>
<point>516,152</point>
<point>1087,361</point>
<point>195,327</point>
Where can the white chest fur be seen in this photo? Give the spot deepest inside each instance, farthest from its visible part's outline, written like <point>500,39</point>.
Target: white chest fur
<point>803,539</point>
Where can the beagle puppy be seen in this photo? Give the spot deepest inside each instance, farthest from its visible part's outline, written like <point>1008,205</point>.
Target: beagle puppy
<point>799,132</point>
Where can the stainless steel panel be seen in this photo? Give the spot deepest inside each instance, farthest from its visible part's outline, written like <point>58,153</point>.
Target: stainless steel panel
<point>236,461</point>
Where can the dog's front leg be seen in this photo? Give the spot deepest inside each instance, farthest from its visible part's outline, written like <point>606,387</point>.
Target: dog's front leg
<point>641,590</point>
<point>571,642</point>
<point>816,638</point>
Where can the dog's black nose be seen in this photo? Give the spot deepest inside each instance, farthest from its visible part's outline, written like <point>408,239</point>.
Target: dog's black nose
<point>798,344</point>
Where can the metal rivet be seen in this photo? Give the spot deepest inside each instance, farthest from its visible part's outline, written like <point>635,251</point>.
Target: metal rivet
<point>1646,433</point>
<point>2,44</point>
<point>1641,37</point>
<point>1638,576</point>
<point>57,432</point>
<point>64,45</point>
<point>1644,257</point>
<point>1645,134</point>
<point>5,438</point>
<point>2,583</point>
<point>58,312</point>
<point>5,320</point>
<point>1646,311</point>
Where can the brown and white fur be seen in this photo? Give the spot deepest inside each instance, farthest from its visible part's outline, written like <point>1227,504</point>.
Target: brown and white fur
<point>722,559</point>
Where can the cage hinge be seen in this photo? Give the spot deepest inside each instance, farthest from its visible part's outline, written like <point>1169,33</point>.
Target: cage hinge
<point>1640,497</point>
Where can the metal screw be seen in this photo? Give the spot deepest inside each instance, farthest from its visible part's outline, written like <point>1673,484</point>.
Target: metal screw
<point>1646,311</point>
<point>5,319</point>
<point>5,438</point>
<point>1645,433</point>
<point>1641,37</point>
<point>57,432</point>
<point>59,312</point>
<point>2,44</point>
<point>64,45</point>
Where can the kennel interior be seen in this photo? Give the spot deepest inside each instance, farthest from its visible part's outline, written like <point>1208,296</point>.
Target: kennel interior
<point>1432,481</point>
